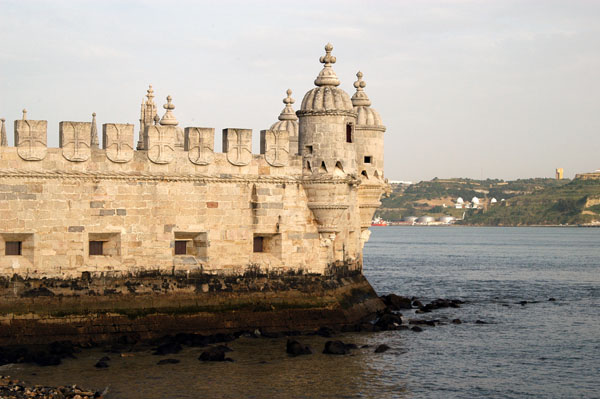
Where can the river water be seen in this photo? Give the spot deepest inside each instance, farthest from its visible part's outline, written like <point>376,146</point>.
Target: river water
<point>542,349</point>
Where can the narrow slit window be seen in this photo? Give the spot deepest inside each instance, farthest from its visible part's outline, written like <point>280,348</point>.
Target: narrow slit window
<point>96,248</point>
<point>368,159</point>
<point>13,248</point>
<point>349,133</point>
<point>258,244</point>
<point>181,247</point>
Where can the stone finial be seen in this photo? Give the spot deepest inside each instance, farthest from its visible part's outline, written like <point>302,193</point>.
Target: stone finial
<point>24,114</point>
<point>360,98</point>
<point>168,118</point>
<point>150,94</point>
<point>156,119</point>
<point>288,114</point>
<point>327,76</point>
<point>94,143</point>
<point>3,138</point>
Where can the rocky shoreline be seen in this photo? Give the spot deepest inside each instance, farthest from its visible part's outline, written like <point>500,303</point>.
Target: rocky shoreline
<point>16,389</point>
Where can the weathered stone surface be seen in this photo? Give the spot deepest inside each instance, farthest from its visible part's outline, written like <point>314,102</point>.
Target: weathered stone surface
<point>237,144</point>
<point>200,144</point>
<point>30,139</point>
<point>161,144</point>
<point>274,144</point>
<point>117,140</point>
<point>75,140</point>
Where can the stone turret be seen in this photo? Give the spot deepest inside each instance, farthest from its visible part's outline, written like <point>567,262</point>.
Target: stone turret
<point>327,146</point>
<point>369,156</point>
<point>288,121</point>
<point>327,123</point>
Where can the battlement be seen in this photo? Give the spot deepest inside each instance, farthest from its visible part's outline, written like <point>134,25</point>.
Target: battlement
<point>166,149</point>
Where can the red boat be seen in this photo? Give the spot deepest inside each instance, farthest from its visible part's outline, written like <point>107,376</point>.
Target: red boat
<point>379,222</point>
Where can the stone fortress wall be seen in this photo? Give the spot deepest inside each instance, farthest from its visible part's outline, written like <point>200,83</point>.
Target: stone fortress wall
<point>173,204</point>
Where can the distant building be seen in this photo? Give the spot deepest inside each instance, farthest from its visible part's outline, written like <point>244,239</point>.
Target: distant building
<point>460,203</point>
<point>559,173</point>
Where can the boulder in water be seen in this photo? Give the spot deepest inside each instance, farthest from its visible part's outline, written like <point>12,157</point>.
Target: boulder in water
<point>381,348</point>
<point>295,348</point>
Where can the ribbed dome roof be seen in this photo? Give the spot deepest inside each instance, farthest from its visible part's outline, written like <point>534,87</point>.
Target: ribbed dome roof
<point>327,96</point>
<point>366,116</point>
<point>290,126</point>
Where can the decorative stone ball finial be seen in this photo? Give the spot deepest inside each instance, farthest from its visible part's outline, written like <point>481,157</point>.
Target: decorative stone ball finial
<point>359,84</point>
<point>168,118</point>
<point>328,59</point>
<point>288,114</point>
<point>360,98</point>
<point>327,76</point>
<point>24,114</point>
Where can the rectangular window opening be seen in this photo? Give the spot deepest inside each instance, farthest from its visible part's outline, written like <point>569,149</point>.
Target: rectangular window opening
<point>258,244</point>
<point>368,159</point>
<point>309,149</point>
<point>180,247</point>
<point>349,133</point>
<point>13,248</point>
<point>96,248</point>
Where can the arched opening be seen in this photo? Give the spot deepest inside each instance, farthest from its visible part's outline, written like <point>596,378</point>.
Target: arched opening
<point>364,173</point>
<point>339,170</point>
<point>308,166</point>
<point>323,168</point>
<point>349,133</point>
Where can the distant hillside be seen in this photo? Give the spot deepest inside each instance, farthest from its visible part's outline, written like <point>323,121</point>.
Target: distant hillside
<point>575,203</point>
<point>429,197</point>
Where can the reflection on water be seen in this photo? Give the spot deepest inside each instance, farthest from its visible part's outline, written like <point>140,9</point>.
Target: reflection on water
<point>541,349</point>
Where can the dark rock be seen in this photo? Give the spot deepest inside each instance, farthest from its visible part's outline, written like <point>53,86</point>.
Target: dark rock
<point>368,327</point>
<point>337,348</point>
<point>167,361</point>
<point>522,303</point>
<point>456,321</point>
<point>417,329</point>
<point>422,322</point>
<point>552,299</point>
<point>389,321</point>
<point>44,358</point>
<point>381,348</point>
<point>105,359</point>
<point>213,354</point>
<point>295,348</point>
<point>396,302</point>
<point>101,365</point>
<point>417,304</point>
<point>168,349</point>
<point>481,322</point>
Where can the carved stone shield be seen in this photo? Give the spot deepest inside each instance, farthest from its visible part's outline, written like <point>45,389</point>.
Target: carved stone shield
<point>275,145</point>
<point>200,144</point>
<point>237,143</point>
<point>161,143</point>
<point>117,140</point>
<point>74,139</point>
<point>30,139</point>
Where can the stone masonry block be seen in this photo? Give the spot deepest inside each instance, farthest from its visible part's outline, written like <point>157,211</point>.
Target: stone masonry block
<point>117,140</point>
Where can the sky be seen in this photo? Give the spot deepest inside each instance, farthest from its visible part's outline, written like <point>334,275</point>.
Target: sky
<point>479,89</point>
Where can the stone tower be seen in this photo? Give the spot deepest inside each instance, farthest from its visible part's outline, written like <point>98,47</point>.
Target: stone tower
<point>369,156</point>
<point>327,145</point>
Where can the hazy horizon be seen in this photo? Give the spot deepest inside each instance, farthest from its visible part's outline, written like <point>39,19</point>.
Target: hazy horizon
<point>496,89</point>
